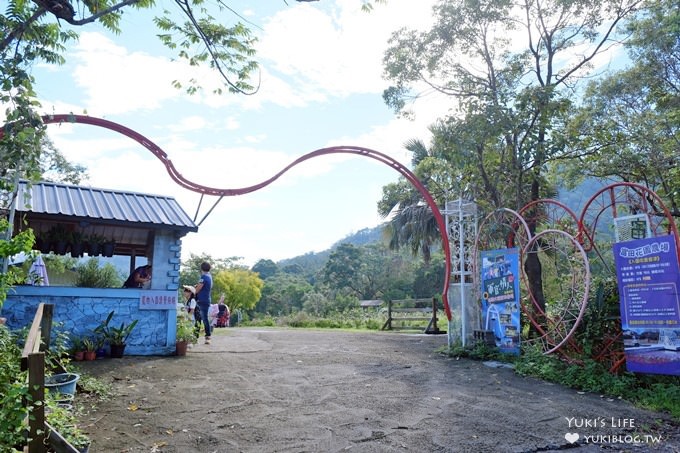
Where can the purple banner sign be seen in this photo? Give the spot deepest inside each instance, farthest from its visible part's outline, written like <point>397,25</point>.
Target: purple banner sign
<point>648,280</point>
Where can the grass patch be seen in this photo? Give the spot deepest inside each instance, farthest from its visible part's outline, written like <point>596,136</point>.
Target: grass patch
<point>658,393</point>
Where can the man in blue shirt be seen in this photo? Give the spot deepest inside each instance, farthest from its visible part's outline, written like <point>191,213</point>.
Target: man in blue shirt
<point>203,290</point>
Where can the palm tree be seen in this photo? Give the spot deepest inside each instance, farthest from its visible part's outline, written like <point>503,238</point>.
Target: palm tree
<point>412,223</point>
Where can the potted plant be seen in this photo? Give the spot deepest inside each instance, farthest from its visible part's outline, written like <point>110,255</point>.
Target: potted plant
<point>90,346</point>
<point>78,349</point>
<point>42,244</point>
<point>77,244</point>
<point>184,335</point>
<point>59,238</point>
<point>95,243</point>
<point>116,337</point>
<point>62,383</point>
<point>108,248</point>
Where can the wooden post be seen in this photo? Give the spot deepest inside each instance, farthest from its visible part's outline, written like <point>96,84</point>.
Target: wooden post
<point>46,326</point>
<point>432,328</point>
<point>388,323</point>
<point>33,360</point>
<point>36,388</point>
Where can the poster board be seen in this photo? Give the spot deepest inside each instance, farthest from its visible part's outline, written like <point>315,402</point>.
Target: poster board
<point>648,282</point>
<point>500,297</point>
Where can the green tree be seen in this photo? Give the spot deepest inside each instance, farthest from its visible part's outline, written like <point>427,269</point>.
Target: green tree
<point>412,224</point>
<point>10,246</point>
<point>365,272</point>
<point>241,287</point>
<point>197,37</point>
<point>316,303</point>
<point>429,278</point>
<point>190,269</point>
<point>511,72</point>
<point>283,294</point>
<point>91,275</point>
<point>293,269</point>
<point>629,125</point>
<point>345,269</point>
<point>266,268</point>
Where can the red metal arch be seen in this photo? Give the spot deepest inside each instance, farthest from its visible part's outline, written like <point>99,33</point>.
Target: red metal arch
<point>195,187</point>
<point>640,197</point>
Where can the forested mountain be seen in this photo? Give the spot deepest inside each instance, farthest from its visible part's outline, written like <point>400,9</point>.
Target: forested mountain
<point>312,262</point>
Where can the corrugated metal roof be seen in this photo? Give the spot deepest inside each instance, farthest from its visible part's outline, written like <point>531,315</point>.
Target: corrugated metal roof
<point>105,204</point>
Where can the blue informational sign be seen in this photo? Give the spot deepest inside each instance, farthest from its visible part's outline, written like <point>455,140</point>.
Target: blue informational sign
<point>500,297</point>
<point>648,280</point>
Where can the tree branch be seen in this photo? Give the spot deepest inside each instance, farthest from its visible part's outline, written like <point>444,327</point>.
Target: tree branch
<point>94,17</point>
<point>17,32</point>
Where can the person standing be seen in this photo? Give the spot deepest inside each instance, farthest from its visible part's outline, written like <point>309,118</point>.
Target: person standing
<point>203,290</point>
<point>192,308</point>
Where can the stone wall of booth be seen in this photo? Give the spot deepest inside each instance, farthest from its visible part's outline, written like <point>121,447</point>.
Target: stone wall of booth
<point>166,260</point>
<point>78,311</point>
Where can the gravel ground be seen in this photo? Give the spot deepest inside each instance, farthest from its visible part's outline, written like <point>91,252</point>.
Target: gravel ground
<point>270,390</point>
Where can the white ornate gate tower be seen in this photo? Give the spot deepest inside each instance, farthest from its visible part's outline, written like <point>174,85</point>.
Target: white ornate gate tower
<point>461,229</point>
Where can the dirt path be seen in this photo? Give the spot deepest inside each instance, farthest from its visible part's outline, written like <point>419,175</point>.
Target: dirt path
<point>327,391</point>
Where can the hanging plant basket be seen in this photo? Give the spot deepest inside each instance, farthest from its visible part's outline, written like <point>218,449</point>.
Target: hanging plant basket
<point>108,249</point>
<point>43,245</point>
<point>77,249</point>
<point>94,248</point>
<point>59,247</point>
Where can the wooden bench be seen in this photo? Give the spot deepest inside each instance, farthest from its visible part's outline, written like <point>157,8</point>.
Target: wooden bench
<point>421,314</point>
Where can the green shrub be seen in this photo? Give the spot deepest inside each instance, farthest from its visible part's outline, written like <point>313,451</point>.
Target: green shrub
<point>352,318</point>
<point>92,275</point>
<point>13,389</point>
<point>660,396</point>
<point>265,321</point>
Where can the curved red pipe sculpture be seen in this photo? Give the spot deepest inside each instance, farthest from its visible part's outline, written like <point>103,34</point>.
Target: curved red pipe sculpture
<point>195,187</point>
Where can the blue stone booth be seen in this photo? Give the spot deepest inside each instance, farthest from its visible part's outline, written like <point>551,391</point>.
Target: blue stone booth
<point>135,225</point>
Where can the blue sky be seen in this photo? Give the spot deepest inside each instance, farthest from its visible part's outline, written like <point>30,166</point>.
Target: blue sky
<point>321,86</point>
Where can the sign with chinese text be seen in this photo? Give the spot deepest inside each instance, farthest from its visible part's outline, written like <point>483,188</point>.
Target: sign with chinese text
<point>648,281</point>
<point>500,297</point>
<point>157,300</point>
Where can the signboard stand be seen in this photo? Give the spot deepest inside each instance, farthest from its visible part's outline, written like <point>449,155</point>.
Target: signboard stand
<point>461,229</point>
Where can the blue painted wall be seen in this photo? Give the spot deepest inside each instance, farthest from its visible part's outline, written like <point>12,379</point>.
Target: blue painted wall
<point>78,311</point>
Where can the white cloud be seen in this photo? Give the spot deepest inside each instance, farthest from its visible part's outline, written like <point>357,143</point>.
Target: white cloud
<point>311,56</point>
<point>338,48</point>
<point>190,123</point>
<point>115,81</point>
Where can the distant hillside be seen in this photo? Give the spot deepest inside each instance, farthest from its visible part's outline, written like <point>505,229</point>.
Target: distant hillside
<point>311,262</point>
<point>576,198</point>
<point>363,237</point>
